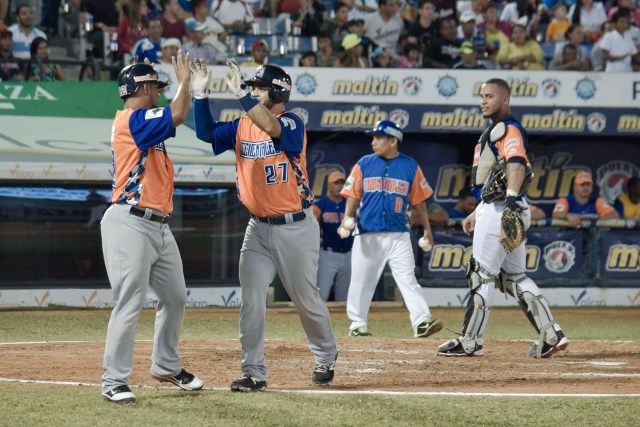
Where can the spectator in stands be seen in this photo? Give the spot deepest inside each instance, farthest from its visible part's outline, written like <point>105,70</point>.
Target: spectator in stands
<point>532,12</point>
<point>596,55</point>
<point>626,4</point>
<point>536,213</point>
<point>468,58</point>
<point>9,70</point>
<point>105,22</point>
<point>23,32</point>
<point>425,27</point>
<point>50,14</point>
<point>465,206</point>
<point>283,9</point>
<point>308,59</point>
<point>215,34</point>
<point>558,25</point>
<point>149,47</point>
<point>575,36</point>
<point>381,58</point>
<point>443,51</point>
<point>259,8</point>
<point>468,31</point>
<point>351,56</point>
<point>356,26</point>
<point>39,68</point>
<point>628,205</point>
<point>569,60</point>
<point>363,9</point>
<point>437,214</point>
<point>446,9</point>
<point>234,15</point>
<point>131,27</point>
<point>410,57</point>
<point>170,47</point>
<point>582,204</point>
<point>496,33</point>
<point>4,15</point>
<point>618,49</point>
<point>474,6</point>
<point>337,27</point>
<point>171,20</point>
<point>326,55</point>
<point>521,53</point>
<point>260,53</point>
<point>195,47</point>
<point>308,20</point>
<point>591,15</point>
<point>385,28</point>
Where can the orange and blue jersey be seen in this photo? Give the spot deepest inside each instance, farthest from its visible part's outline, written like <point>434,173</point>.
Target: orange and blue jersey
<point>330,215</point>
<point>271,173</point>
<point>596,207</point>
<point>386,188</point>
<point>142,170</point>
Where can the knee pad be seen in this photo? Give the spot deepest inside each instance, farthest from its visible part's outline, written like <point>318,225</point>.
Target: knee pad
<point>539,314</point>
<point>508,282</point>
<point>478,275</point>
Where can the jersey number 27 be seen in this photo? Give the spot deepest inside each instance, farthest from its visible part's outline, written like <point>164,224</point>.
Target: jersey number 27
<point>271,173</point>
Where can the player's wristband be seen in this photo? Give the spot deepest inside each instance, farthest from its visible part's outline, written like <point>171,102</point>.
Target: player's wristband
<point>248,102</point>
<point>511,192</point>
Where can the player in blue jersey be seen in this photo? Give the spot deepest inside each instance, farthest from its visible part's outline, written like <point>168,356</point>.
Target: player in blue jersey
<point>334,264</point>
<point>383,187</point>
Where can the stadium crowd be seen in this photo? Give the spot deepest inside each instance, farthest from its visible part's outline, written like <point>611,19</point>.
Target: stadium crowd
<point>464,34</point>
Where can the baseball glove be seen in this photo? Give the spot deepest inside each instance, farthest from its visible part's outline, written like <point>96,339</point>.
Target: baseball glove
<point>512,230</point>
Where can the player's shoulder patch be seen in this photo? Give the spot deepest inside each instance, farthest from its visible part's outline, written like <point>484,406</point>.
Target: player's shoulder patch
<point>348,185</point>
<point>153,113</point>
<point>424,184</point>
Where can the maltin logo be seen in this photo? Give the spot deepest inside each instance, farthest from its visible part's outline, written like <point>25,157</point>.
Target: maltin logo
<point>559,256</point>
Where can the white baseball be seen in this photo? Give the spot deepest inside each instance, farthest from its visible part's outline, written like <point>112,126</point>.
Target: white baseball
<point>348,223</point>
<point>424,244</point>
<point>343,232</point>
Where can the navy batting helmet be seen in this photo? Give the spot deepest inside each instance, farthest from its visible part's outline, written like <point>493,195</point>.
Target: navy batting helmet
<point>387,128</point>
<point>135,75</point>
<point>274,77</point>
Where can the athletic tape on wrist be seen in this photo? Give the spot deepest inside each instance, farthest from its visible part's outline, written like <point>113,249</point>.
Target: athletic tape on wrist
<point>248,102</point>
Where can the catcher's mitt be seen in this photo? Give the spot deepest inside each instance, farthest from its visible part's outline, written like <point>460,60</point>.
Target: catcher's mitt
<point>512,230</point>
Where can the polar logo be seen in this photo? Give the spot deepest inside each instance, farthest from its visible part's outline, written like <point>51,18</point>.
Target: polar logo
<point>612,178</point>
<point>559,256</point>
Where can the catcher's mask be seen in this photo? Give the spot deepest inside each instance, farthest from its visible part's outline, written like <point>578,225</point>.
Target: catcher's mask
<point>387,128</point>
<point>133,76</point>
<point>276,79</point>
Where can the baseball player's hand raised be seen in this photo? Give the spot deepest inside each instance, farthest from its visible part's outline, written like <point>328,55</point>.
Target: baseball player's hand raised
<point>234,79</point>
<point>201,78</point>
<point>181,67</point>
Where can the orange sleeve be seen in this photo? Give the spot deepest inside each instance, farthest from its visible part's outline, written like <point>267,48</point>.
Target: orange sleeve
<point>420,189</point>
<point>603,208</point>
<point>562,206</point>
<point>512,144</point>
<point>353,186</point>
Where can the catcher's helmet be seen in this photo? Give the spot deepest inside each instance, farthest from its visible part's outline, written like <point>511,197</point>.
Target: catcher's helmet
<point>386,127</point>
<point>135,75</point>
<point>275,78</point>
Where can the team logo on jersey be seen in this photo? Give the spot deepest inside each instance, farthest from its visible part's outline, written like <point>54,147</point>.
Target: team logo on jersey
<point>585,89</point>
<point>550,88</point>
<point>447,86</point>
<point>400,117</point>
<point>388,185</point>
<point>559,256</point>
<point>153,113</point>
<point>258,150</point>
<point>306,84</point>
<point>302,113</point>
<point>596,122</point>
<point>612,177</point>
<point>412,85</point>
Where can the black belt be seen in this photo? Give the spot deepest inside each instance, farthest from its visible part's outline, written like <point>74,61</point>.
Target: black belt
<point>162,219</point>
<point>339,250</point>
<point>281,219</point>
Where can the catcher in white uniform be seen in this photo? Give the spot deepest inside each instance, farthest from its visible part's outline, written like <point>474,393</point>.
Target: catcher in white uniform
<point>384,185</point>
<point>502,172</point>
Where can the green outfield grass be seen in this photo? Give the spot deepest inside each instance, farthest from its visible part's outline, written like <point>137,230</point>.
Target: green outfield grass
<point>57,405</point>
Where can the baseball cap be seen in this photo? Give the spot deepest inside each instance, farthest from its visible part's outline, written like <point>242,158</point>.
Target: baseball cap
<point>467,16</point>
<point>582,177</point>
<point>466,47</point>
<point>386,127</point>
<point>355,22</point>
<point>336,176</point>
<point>378,51</point>
<point>171,41</point>
<point>192,25</point>
<point>256,44</point>
<point>350,40</point>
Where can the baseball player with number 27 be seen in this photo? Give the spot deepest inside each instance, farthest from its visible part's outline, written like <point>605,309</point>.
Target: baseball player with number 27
<point>283,235</point>
<point>384,185</point>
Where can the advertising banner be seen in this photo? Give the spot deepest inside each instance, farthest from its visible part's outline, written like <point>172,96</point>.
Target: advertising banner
<point>620,254</point>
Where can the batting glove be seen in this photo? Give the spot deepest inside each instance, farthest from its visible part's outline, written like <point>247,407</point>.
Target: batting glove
<point>234,80</point>
<point>200,80</point>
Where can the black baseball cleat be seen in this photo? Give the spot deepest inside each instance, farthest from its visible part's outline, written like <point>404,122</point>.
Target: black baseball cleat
<point>323,374</point>
<point>119,394</point>
<point>185,380</point>
<point>453,348</point>
<point>549,350</point>
<point>247,383</point>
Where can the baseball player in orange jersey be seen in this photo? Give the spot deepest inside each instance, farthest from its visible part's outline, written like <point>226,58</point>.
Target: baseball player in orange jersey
<point>139,249</point>
<point>502,172</point>
<point>283,235</point>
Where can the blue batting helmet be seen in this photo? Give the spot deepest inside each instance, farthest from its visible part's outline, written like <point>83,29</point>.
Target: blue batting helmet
<point>387,128</point>
<point>276,79</point>
<point>133,76</point>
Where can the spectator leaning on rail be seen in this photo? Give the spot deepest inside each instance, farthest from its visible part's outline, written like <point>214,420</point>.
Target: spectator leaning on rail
<point>582,204</point>
<point>628,205</point>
